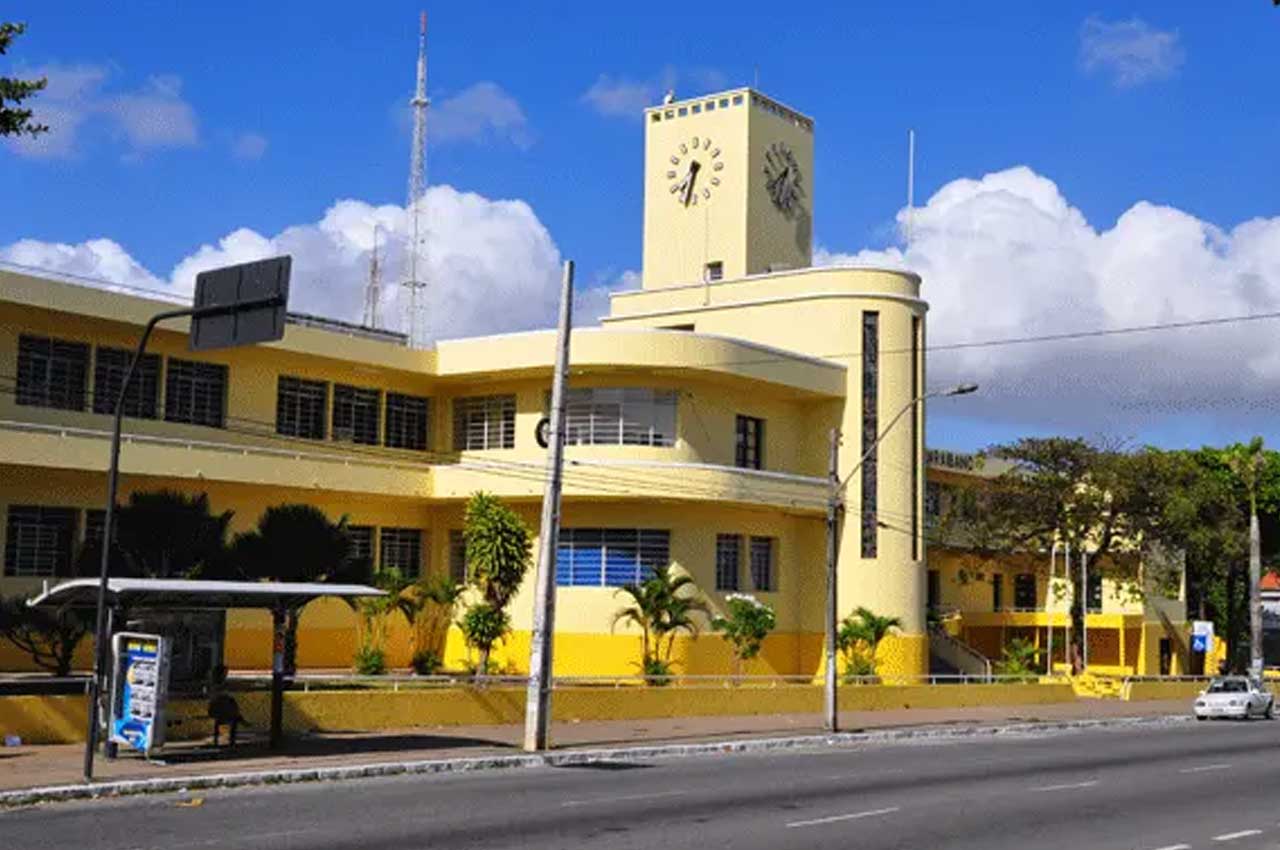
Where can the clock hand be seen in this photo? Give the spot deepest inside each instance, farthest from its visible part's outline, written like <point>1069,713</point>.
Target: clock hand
<point>692,178</point>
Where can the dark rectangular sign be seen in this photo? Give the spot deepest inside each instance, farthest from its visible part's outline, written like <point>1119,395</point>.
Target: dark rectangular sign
<point>261,289</point>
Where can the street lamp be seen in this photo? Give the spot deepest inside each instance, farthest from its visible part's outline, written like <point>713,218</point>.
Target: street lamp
<point>834,504</point>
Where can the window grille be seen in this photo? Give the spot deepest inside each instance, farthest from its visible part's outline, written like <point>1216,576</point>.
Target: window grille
<point>143,398</point>
<point>356,414</point>
<point>301,408</point>
<point>728,561</point>
<point>195,393</point>
<point>402,550</point>
<point>762,572</point>
<point>408,421</point>
<point>749,448</point>
<point>484,422</point>
<point>610,557</point>
<point>52,372</point>
<point>38,540</point>
<point>631,416</point>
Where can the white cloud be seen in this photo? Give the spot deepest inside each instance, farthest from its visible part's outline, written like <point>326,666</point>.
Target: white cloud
<point>622,97</point>
<point>490,265</point>
<point>1008,256</point>
<point>249,146</point>
<point>151,117</point>
<point>1131,52</point>
<point>481,112</point>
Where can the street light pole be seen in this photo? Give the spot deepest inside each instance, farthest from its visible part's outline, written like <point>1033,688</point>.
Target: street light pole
<point>834,506</point>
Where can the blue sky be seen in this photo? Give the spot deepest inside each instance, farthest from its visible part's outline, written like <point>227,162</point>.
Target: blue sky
<point>272,112</point>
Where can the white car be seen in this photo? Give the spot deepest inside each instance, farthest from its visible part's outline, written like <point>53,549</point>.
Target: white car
<point>1238,697</point>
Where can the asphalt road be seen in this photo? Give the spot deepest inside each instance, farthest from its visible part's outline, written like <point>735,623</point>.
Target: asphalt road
<point>1192,785</point>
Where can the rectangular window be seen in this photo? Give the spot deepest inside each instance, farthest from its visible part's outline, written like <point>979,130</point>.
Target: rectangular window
<point>484,422</point>
<point>356,414</point>
<point>997,592</point>
<point>714,271</point>
<point>408,421</point>
<point>52,372</point>
<point>362,554</point>
<point>142,401</point>
<point>1024,592</point>
<point>933,589</point>
<point>728,561</point>
<point>870,431</point>
<point>762,573</point>
<point>195,393</point>
<point>94,521</point>
<point>917,412</point>
<point>458,556</point>
<point>749,448</point>
<point>38,541</point>
<point>609,557</point>
<point>1095,593</point>
<point>630,416</point>
<point>301,408</point>
<point>402,550</point>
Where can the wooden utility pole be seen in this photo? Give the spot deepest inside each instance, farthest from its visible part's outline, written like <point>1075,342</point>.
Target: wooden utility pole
<point>538,698</point>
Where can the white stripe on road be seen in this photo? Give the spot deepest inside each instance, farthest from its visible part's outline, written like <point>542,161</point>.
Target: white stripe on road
<point>1067,786</point>
<point>835,818</point>
<point>1176,847</point>
<point>1204,767</point>
<point>1232,836</point>
<point>621,799</point>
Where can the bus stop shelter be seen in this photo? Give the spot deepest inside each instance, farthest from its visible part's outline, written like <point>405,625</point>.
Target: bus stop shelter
<point>138,597</point>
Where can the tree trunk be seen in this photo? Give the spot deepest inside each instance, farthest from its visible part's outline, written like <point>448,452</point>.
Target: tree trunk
<point>482,668</point>
<point>291,618</point>
<point>1078,604</point>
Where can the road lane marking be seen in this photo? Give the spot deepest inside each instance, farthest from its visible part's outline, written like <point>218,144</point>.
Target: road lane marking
<point>1204,767</point>
<point>1176,847</point>
<point>1232,836</point>
<point>836,818</point>
<point>620,799</point>
<point>1068,786</point>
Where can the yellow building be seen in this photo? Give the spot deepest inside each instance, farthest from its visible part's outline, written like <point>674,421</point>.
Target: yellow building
<point>699,416</point>
<point>1134,619</point>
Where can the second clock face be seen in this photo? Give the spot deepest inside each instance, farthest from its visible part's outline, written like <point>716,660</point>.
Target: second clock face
<point>783,180</point>
<point>695,171</point>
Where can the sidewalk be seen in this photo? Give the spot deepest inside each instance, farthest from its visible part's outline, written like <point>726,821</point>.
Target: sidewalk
<point>39,766</point>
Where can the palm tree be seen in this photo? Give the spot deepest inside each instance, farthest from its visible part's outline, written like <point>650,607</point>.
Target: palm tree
<point>294,543</point>
<point>163,534</point>
<point>859,639</point>
<point>661,610</point>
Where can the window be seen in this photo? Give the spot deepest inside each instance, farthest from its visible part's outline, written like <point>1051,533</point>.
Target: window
<point>728,561</point>
<point>682,111</point>
<point>711,105</point>
<point>737,100</point>
<point>609,557</point>
<point>361,537</point>
<point>749,451</point>
<point>630,416</point>
<point>724,102</point>
<point>916,449</point>
<point>870,430</point>
<point>143,397</point>
<point>38,540</point>
<point>713,271</point>
<point>195,392</point>
<point>484,422</point>
<point>762,572</point>
<point>1095,592</point>
<point>356,414</point>
<point>408,421</point>
<point>52,373</point>
<point>655,117</point>
<point>997,592</point>
<point>458,556</point>
<point>402,550</point>
<point>933,592</point>
<point>1024,592</point>
<point>301,408</point>
<point>95,519</point>
<point>697,108</point>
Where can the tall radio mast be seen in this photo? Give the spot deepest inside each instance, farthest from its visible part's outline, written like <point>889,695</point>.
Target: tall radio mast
<point>416,284</point>
<point>373,289</point>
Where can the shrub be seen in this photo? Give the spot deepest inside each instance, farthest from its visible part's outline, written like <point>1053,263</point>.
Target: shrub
<point>747,622</point>
<point>426,662</point>
<point>1019,660</point>
<point>483,625</point>
<point>370,661</point>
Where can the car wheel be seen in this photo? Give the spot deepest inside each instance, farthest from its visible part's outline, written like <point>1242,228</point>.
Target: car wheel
<point>1201,718</point>
<point>1271,710</point>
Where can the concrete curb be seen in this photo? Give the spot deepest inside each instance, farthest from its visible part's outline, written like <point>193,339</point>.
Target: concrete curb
<point>163,785</point>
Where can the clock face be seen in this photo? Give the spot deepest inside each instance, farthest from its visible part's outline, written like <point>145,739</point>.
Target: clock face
<point>783,180</point>
<point>695,171</point>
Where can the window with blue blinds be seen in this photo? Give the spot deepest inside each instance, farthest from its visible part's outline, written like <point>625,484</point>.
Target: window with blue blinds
<point>609,557</point>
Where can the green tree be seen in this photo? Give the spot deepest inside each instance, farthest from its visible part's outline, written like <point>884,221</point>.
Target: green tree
<point>50,637</point>
<point>1019,660</point>
<point>299,543</point>
<point>14,120</point>
<point>859,639</point>
<point>499,552</point>
<point>745,624</point>
<point>430,604</point>
<point>163,534</point>
<point>375,613</point>
<point>662,606</point>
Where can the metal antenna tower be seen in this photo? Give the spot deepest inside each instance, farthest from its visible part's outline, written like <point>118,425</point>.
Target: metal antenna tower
<point>373,289</point>
<point>416,285</point>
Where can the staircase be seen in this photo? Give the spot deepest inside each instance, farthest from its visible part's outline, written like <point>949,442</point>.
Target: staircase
<point>1092,686</point>
<point>953,657</point>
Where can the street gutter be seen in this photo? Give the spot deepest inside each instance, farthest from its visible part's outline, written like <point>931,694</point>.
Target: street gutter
<point>184,784</point>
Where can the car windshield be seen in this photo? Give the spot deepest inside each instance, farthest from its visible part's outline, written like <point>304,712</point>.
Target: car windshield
<point>1228,687</point>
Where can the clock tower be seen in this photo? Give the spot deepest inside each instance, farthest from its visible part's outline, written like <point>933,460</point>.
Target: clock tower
<point>728,189</point>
